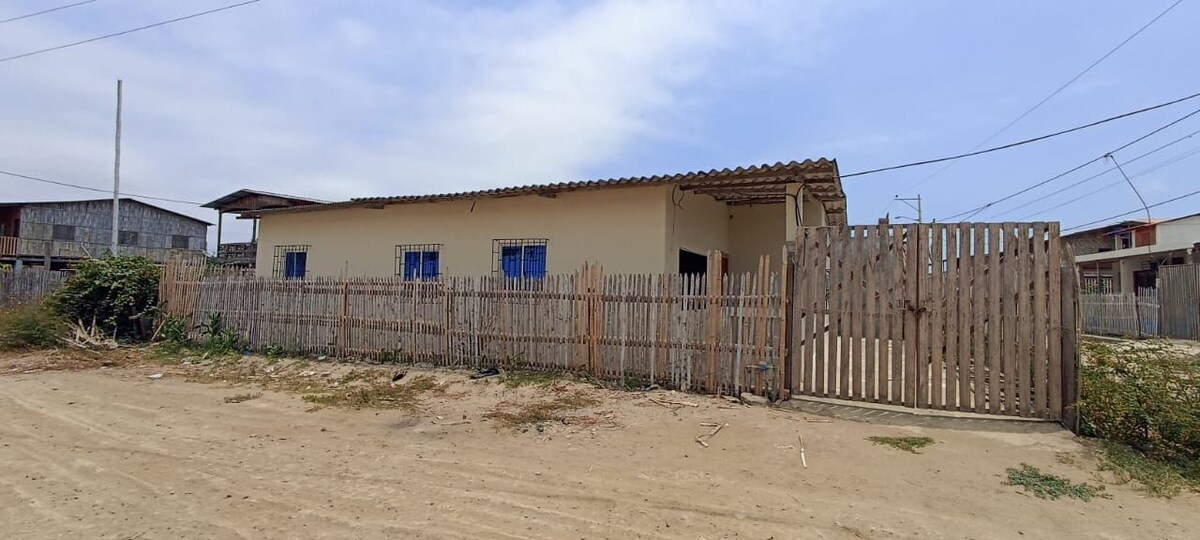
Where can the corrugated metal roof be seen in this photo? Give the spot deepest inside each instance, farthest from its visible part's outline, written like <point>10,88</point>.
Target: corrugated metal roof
<point>820,176</point>
<point>218,203</point>
<point>108,200</point>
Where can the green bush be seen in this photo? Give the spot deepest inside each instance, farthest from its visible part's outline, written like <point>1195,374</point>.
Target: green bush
<point>173,330</point>
<point>32,326</point>
<point>218,338</point>
<point>1145,395</point>
<point>118,293</point>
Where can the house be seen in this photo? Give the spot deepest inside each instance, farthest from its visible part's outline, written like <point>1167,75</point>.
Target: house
<point>1099,276</point>
<point>651,224</point>
<point>56,233</point>
<point>1127,255</point>
<point>246,204</point>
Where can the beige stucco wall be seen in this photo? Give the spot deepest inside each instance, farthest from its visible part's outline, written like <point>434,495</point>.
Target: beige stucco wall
<point>754,231</point>
<point>696,223</point>
<point>623,228</point>
<point>629,230</point>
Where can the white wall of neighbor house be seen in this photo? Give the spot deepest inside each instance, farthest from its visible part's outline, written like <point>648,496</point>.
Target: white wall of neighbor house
<point>621,228</point>
<point>1179,234</point>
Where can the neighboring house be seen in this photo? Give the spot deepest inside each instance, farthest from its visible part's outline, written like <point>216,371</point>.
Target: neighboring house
<point>1098,276</point>
<point>652,224</point>
<point>246,204</point>
<point>57,233</point>
<point>1128,254</point>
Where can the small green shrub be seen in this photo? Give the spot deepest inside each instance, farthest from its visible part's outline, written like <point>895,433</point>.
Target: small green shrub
<point>1049,486</point>
<point>1145,395</point>
<point>218,338</point>
<point>173,330</point>
<point>32,326</point>
<point>118,293</point>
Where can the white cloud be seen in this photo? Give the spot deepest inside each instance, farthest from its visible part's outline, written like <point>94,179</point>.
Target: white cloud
<point>342,99</point>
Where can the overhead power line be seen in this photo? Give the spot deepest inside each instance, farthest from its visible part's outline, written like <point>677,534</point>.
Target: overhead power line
<point>45,11</point>
<point>98,190</point>
<point>1111,185</point>
<point>1108,170</point>
<point>976,210</point>
<point>1057,91</point>
<point>130,31</point>
<point>1022,142</point>
<point>1134,211</point>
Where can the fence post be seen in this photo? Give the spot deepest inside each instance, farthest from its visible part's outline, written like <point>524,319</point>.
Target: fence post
<point>784,366</point>
<point>343,324</point>
<point>713,318</point>
<point>1070,335</point>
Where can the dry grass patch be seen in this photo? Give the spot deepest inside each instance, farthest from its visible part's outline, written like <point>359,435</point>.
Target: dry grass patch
<point>377,395</point>
<point>543,411</point>
<point>356,388</point>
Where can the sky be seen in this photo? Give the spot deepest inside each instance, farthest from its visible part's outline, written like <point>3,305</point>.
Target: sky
<point>336,99</point>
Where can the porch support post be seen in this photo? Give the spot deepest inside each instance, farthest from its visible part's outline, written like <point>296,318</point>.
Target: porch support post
<point>220,219</point>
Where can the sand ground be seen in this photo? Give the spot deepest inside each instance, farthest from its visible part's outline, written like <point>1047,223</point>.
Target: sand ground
<point>113,453</point>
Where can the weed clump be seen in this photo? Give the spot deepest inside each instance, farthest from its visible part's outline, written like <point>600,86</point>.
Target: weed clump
<point>907,444</point>
<point>1049,486</point>
<point>1156,478</point>
<point>239,398</point>
<point>30,327</point>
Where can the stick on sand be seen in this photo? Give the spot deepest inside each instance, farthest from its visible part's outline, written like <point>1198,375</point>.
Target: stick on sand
<point>702,438</point>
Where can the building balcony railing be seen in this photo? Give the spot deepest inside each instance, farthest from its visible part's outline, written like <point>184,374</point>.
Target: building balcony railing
<point>9,246</point>
<point>237,253</point>
<point>62,249</point>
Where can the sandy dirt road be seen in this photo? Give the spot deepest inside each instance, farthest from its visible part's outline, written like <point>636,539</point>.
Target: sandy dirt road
<point>114,454</point>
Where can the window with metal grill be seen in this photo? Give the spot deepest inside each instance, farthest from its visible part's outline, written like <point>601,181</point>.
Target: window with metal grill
<point>520,258</point>
<point>420,262</point>
<point>291,262</point>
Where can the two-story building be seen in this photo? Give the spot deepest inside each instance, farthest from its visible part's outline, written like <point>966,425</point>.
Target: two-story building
<point>56,233</point>
<point>1124,257</point>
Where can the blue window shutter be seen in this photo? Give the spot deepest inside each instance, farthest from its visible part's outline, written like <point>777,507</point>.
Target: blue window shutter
<point>294,264</point>
<point>412,264</point>
<point>535,262</point>
<point>510,261</point>
<point>429,269</point>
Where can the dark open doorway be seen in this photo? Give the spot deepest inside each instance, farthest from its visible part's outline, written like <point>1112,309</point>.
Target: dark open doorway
<point>692,263</point>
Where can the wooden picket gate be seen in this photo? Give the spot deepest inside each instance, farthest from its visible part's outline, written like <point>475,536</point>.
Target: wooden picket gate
<point>964,316</point>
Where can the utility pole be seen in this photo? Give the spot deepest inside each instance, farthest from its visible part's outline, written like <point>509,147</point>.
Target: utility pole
<point>909,201</point>
<point>116,218</point>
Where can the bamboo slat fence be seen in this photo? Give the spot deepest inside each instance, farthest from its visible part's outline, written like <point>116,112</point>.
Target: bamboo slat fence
<point>28,286</point>
<point>1179,292</point>
<point>1171,310</point>
<point>694,332</point>
<point>1121,314</point>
